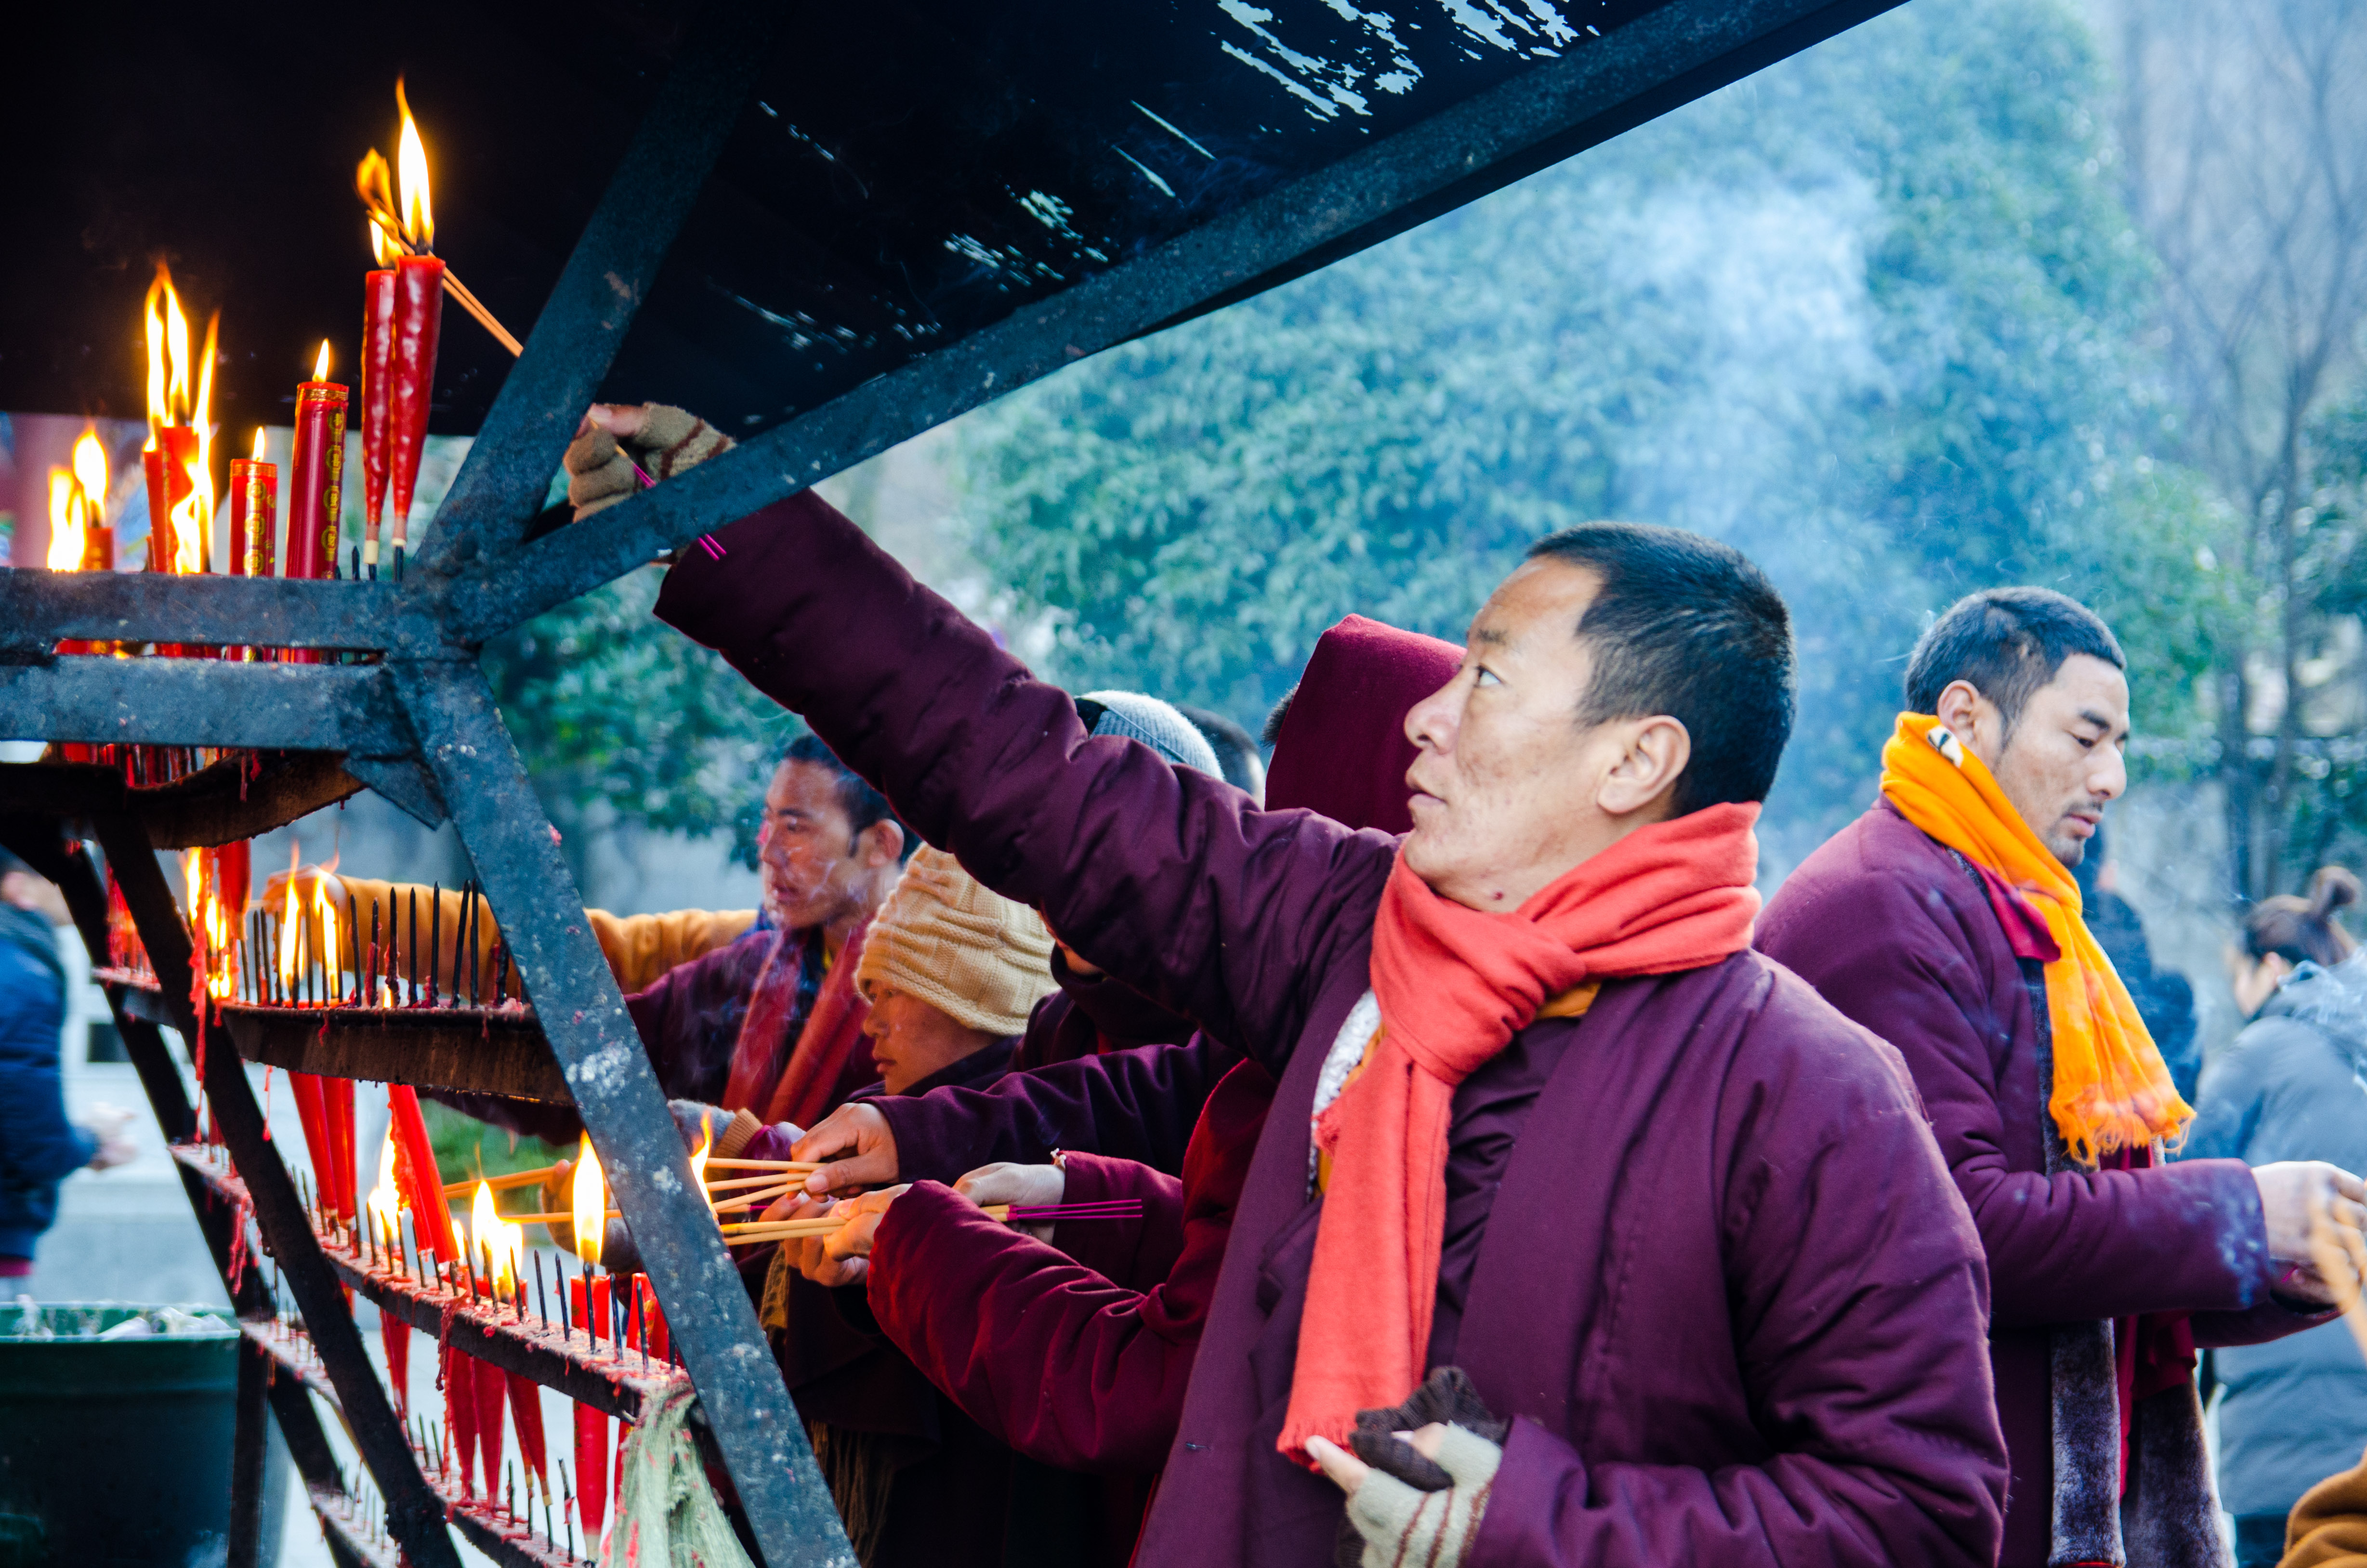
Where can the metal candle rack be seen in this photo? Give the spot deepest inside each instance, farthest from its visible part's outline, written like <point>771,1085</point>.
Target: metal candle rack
<point>414,719</point>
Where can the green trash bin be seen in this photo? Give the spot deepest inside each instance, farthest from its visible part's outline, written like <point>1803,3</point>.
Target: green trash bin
<point>118,1450</point>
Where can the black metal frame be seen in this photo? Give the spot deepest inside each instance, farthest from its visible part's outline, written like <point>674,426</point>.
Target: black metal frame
<point>419,723</point>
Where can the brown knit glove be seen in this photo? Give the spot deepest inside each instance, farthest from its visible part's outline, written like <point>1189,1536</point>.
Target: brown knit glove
<point>669,441</point>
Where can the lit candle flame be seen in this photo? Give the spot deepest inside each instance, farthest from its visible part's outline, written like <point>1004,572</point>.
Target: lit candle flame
<point>258,443</point>
<point>90,473</point>
<point>410,170</point>
<point>66,524</point>
<point>288,928</point>
<point>590,1204</point>
<point>385,1203</point>
<point>321,362</point>
<point>324,911</point>
<point>493,1241</point>
<point>373,181</point>
<point>193,519</point>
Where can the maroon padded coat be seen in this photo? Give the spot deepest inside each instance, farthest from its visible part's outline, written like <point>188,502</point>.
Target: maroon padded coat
<point>1700,1244</point>
<point>1900,935</point>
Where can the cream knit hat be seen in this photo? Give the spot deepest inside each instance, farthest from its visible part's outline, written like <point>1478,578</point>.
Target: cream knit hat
<point>973,954</point>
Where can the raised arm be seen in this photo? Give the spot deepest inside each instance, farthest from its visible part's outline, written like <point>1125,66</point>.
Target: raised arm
<point>1169,880</point>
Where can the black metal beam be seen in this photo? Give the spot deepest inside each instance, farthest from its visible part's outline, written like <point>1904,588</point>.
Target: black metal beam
<point>414,1512</point>
<point>220,804</point>
<point>250,1445</point>
<point>466,1050</point>
<point>714,1327</point>
<point>1547,113</point>
<point>37,608</point>
<point>206,702</point>
<point>583,322</point>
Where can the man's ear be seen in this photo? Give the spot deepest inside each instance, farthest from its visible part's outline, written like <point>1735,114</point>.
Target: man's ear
<point>1645,772</point>
<point>880,845</point>
<point>1972,719</point>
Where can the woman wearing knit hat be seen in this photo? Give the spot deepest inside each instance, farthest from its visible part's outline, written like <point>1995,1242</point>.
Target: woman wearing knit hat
<point>950,970</point>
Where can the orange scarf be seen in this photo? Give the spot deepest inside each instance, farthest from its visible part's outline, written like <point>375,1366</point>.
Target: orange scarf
<point>2111,1090</point>
<point>1454,986</point>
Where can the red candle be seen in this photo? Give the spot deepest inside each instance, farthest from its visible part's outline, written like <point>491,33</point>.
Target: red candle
<point>378,353</point>
<point>314,475</point>
<point>167,464</point>
<point>254,515</point>
<point>418,317</point>
<point>526,1415</point>
<point>591,1427</point>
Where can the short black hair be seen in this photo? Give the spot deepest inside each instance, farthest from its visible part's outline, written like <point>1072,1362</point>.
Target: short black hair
<point>2008,642</point>
<point>1271,735</point>
<point>1236,749</point>
<point>863,805</point>
<point>1688,627</point>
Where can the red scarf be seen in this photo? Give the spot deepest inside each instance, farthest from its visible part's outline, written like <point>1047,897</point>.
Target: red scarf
<point>818,1055</point>
<point>1454,986</point>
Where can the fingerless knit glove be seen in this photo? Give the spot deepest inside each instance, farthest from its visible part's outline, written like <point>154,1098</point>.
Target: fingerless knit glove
<point>671,440</point>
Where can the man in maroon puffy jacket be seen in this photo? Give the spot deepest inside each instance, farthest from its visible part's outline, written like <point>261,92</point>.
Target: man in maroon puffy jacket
<point>2103,1278</point>
<point>1698,1251</point>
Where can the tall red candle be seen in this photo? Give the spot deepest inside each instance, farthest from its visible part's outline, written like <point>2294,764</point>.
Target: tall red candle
<point>254,517</point>
<point>314,476</point>
<point>418,317</point>
<point>378,357</point>
<point>166,465</point>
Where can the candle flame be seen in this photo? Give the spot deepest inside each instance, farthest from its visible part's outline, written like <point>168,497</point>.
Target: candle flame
<point>385,1203</point>
<point>66,537</point>
<point>193,519</point>
<point>288,927</point>
<point>590,1204</point>
<point>410,168</point>
<point>258,443</point>
<point>90,473</point>
<point>375,185</point>
<point>325,913</point>
<point>168,356</point>
<point>321,362</point>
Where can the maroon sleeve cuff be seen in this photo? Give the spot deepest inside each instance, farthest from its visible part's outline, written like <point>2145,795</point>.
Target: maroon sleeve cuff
<point>1136,1253</point>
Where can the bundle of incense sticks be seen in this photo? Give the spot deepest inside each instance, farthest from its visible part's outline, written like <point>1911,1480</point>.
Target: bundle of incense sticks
<point>1009,1213</point>
<point>543,1173</point>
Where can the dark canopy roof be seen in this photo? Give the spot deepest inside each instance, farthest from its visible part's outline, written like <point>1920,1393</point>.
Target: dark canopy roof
<point>906,174</point>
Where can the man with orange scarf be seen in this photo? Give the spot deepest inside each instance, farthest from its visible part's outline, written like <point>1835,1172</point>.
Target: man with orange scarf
<point>1946,919</point>
<point>1541,1114</point>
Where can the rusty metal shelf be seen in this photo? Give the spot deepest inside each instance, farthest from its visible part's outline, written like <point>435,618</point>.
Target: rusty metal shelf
<point>567,1362</point>
<point>483,1051</point>
<point>238,797</point>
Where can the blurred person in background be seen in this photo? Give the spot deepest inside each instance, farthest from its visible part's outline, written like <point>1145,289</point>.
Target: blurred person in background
<point>1236,749</point>
<point>2164,998</point>
<point>2293,1411</point>
<point>40,1146</point>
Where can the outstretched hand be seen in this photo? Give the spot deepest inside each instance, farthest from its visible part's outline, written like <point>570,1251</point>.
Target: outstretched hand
<point>855,1139</point>
<point>612,438</point>
<point>2303,1199</point>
